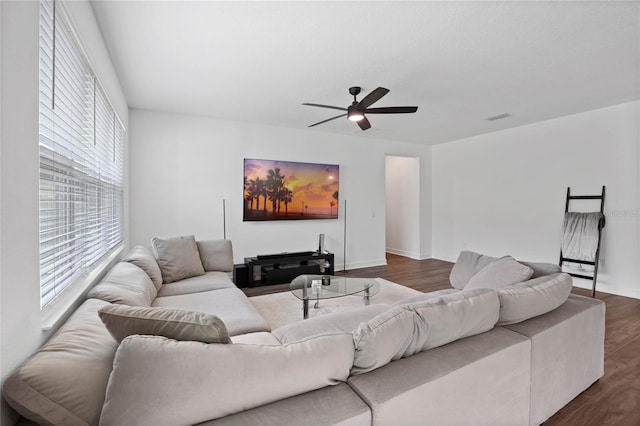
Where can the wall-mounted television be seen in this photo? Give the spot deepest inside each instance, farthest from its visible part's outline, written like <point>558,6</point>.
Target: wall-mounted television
<point>288,190</point>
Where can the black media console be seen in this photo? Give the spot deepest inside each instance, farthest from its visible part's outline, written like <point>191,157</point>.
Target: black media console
<point>281,268</point>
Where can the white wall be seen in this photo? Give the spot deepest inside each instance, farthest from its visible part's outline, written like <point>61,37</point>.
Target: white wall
<point>20,317</point>
<point>504,192</point>
<point>182,167</point>
<point>403,206</point>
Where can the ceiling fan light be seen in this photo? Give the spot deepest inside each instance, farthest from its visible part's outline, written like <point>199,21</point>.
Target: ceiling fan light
<point>355,115</point>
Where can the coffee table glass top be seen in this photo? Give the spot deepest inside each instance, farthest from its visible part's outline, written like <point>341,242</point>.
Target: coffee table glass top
<point>302,287</point>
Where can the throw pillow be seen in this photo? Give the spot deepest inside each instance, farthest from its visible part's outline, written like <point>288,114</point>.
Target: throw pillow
<point>532,298</point>
<point>501,273</point>
<point>143,259</point>
<point>467,265</point>
<point>178,258</point>
<point>216,255</point>
<point>123,321</point>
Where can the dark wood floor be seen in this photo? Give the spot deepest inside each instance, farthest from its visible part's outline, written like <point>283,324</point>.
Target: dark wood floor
<point>613,400</point>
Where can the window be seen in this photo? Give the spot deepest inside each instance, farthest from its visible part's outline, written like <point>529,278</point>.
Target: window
<point>81,159</point>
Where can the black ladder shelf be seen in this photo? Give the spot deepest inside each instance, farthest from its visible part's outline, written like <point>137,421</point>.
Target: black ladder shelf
<point>601,224</point>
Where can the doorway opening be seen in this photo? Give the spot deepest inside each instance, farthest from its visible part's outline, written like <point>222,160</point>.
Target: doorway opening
<point>402,206</point>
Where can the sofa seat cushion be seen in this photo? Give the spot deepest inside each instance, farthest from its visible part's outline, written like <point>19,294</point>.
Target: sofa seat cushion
<point>125,284</point>
<point>467,265</point>
<point>339,322</point>
<point>216,255</point>
<point>534,297</point>
<point>64,382</point>
<point>178,324</point>
<point>501,273</point>
<point>208,281</point>
<point>184,383</point>
<point>567,353</point>
<point>177,257</point>
<point>228,304</point>
<point>333,405</point>
<point>143,259</point>
<point>479,380</point>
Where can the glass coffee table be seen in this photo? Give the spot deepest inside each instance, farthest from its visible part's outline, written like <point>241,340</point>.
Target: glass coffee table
<point>317,287</point>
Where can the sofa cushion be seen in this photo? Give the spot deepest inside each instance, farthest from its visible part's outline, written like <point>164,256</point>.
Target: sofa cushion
<point>229,304</point>
<point>257,338</point>
<point>345,322</point>
<point>208,281</point>
<point>534,297</point>
<point>177,257</point>
<point>216,255</point>
<point>382,339</point>
<point>415,327</point>
<point>449,317</point>
<point>501,273</point>
<point>467,265</point>
<point>64,382</point>
<point>125,284</point>
<point>123,321</point>
<point>143,259</point>
<point>541,268</point>
<point>190,382</point>
<point>425,296</point>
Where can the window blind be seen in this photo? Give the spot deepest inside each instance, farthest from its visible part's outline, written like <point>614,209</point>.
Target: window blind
<point>81,159</point>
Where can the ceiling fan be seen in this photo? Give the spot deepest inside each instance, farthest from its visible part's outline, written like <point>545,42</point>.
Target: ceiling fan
<point>357,110</point>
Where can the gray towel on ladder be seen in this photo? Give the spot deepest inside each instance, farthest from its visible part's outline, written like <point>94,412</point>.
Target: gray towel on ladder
<point>580,235</point>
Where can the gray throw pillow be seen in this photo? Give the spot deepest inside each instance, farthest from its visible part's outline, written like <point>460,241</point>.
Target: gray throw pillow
<point>216,255</point>
<point>501,273</point>
<point>467,265</point>
<point>123,321</point>
<point>177,257</point>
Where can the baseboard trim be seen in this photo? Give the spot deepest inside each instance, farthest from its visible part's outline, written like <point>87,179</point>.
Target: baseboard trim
<point>365,264</point>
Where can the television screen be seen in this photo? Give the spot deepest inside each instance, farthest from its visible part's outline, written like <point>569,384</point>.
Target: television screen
<point>287,190</point>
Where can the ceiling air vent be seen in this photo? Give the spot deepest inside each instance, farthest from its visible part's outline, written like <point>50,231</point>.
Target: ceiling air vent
<point>499,116</point>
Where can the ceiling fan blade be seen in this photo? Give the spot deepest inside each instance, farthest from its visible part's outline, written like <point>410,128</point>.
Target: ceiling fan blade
<point>391,110</point>
<point>329,119</point>
<point>372,97</point>
<point>326,106</point>
<point>364,124</point>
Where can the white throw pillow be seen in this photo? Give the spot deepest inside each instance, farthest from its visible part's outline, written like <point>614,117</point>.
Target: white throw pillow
<point>177,324</point>
<point>467,265</point>
<point>534,297</point>
<point>501,273</point>
<point>177,257</point>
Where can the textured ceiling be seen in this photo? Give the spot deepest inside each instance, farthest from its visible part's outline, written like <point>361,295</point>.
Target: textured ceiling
<point>459,62</point>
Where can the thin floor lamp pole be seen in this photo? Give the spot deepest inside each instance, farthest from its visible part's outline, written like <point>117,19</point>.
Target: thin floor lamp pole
<point>224,218</point>
<point>344,239</point>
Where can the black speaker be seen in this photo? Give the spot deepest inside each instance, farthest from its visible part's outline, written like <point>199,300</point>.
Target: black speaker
<point>241,275</point>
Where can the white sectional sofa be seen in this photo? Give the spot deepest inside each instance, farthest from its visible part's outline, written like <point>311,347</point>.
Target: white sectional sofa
<point>459,356</point>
